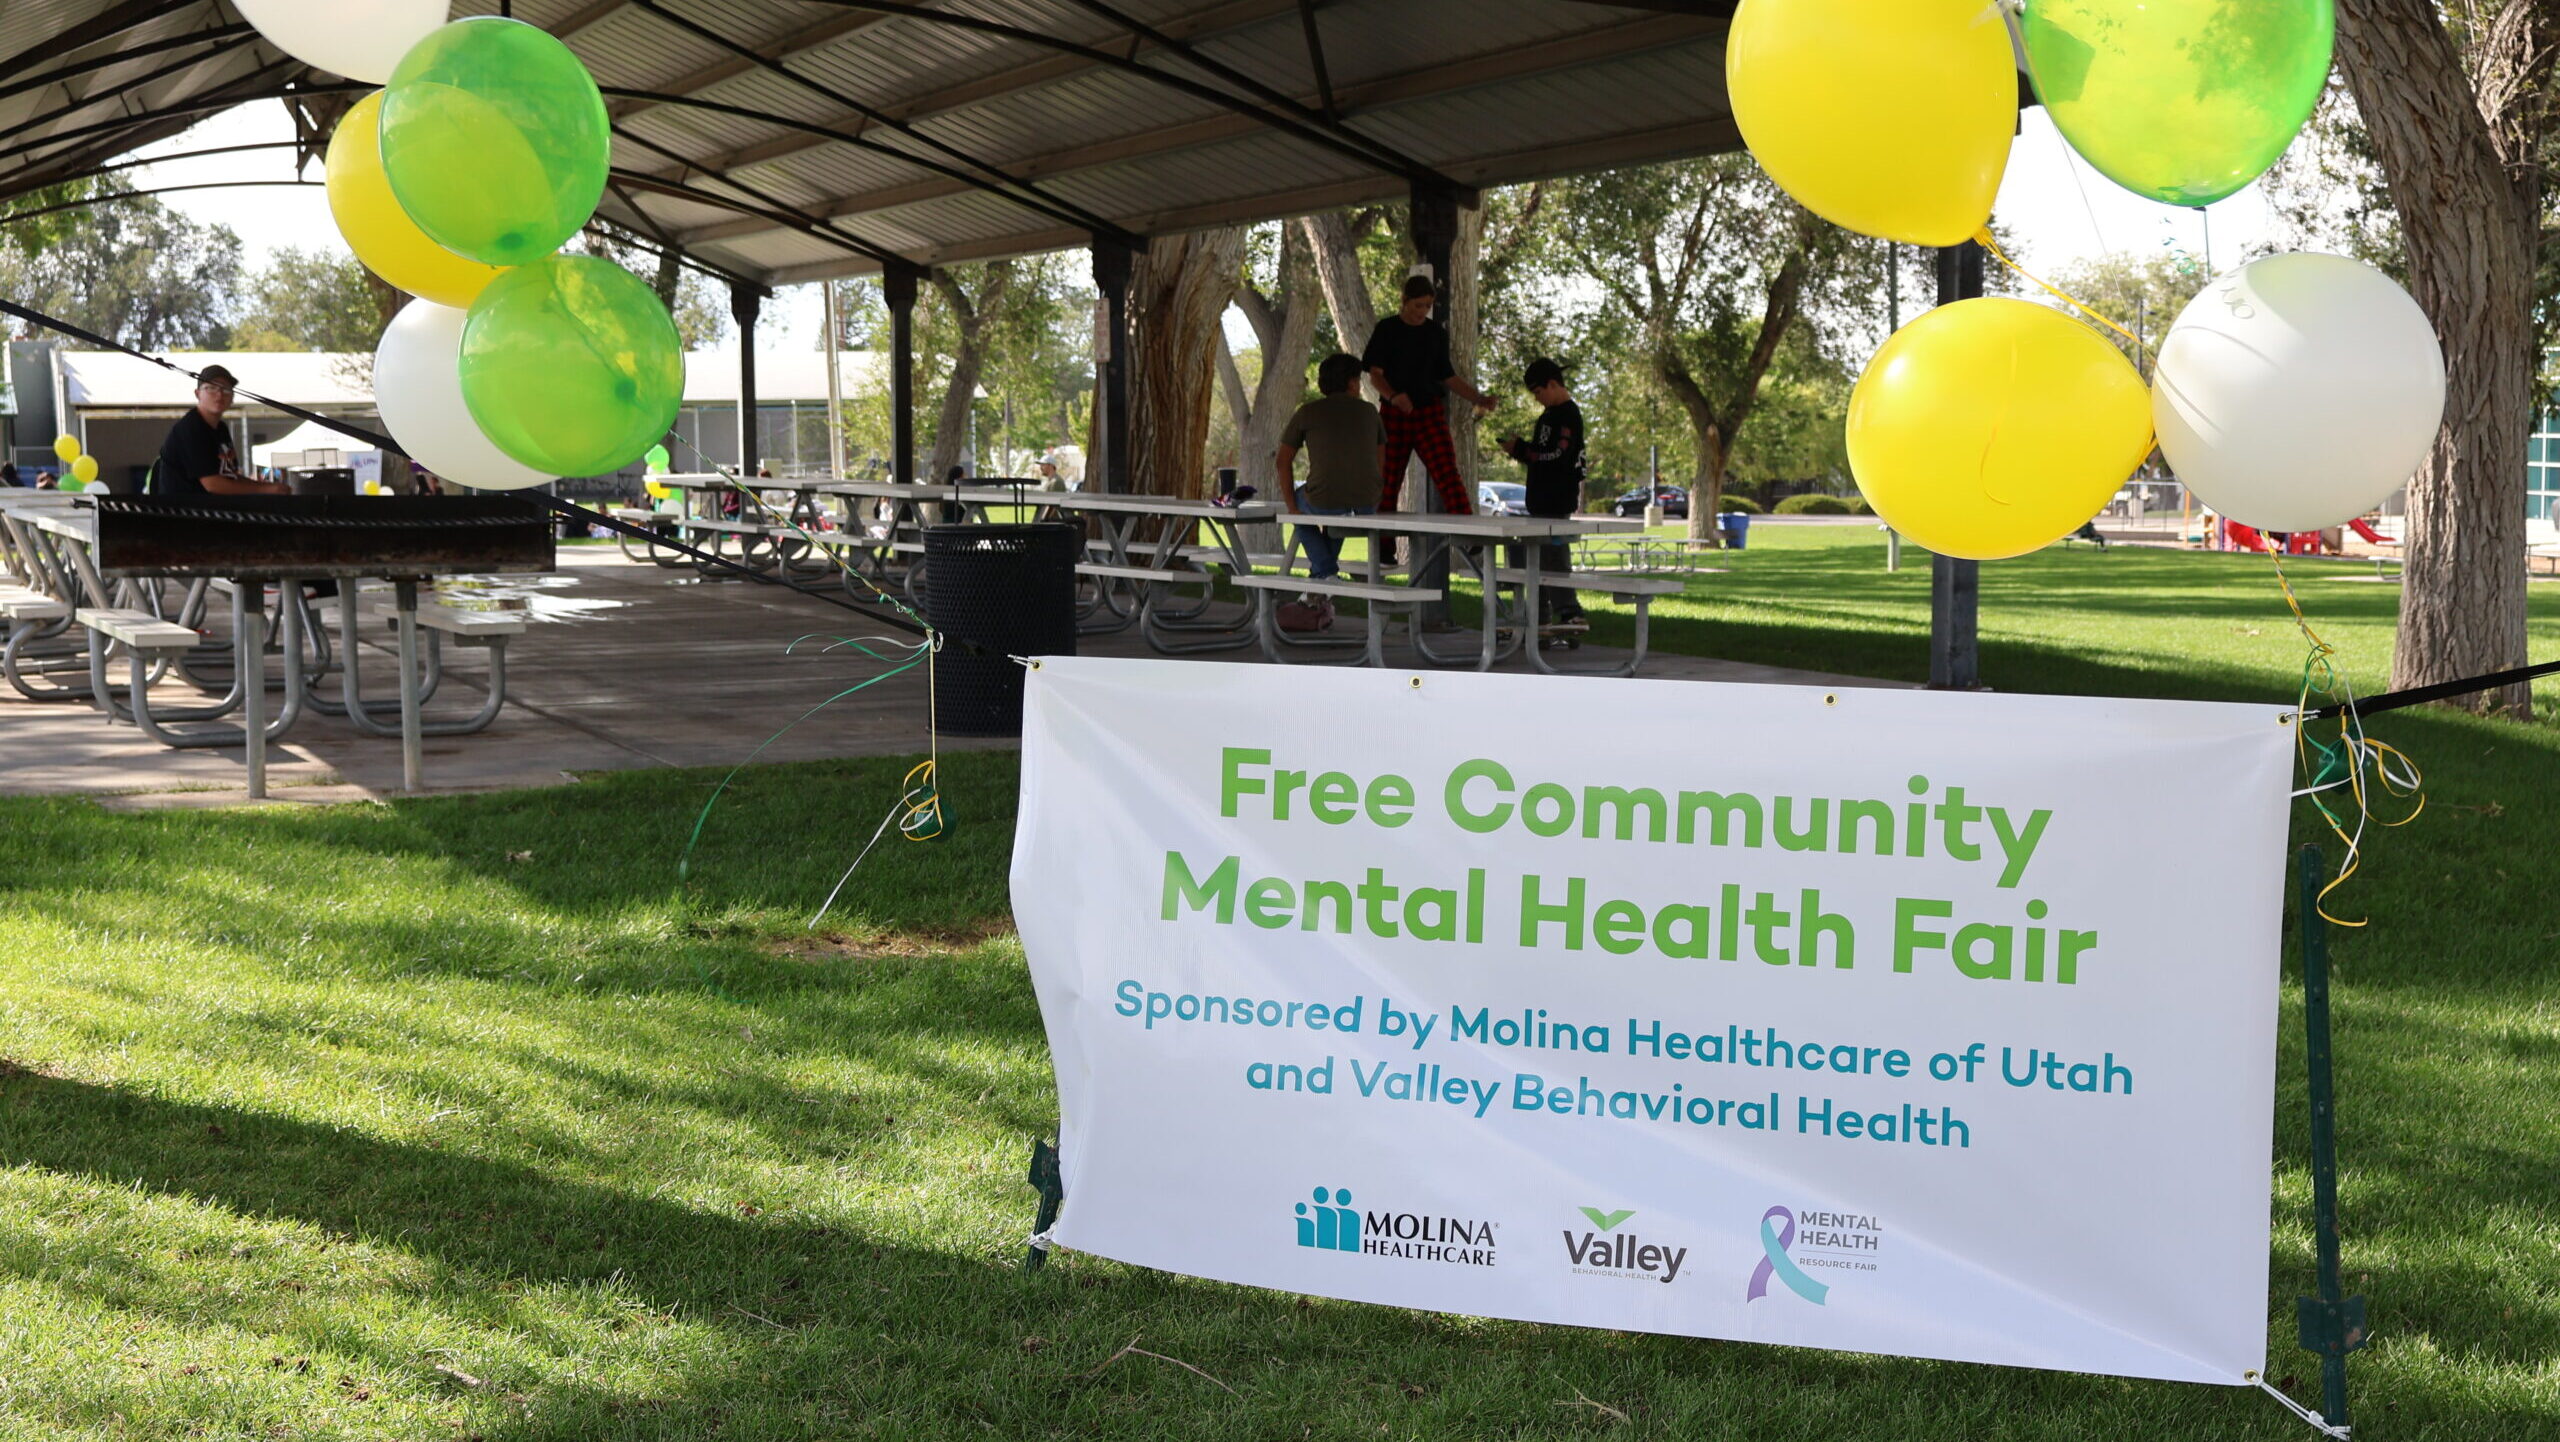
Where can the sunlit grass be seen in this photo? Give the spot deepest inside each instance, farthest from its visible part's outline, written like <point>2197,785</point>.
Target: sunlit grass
<point>466,1117</point>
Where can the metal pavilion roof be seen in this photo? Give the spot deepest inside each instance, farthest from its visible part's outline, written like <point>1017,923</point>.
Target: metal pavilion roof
<point>793,140</point>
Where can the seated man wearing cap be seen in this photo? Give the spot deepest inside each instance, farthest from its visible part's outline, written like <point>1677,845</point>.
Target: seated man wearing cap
<point>198,458</point>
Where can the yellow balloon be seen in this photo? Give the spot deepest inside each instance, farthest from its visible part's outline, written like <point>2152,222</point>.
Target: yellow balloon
<point>380,233</point>
<point>1988,428</point>
<point>657,490</point>
<point>85,467</point>
<point>65,448</point>
<point>1888,117</point>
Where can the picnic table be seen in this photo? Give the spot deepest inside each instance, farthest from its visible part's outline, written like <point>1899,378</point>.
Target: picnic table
<point>1146,549</point>
<point>890,538</point>
<point>1476,540</point>
<point>773,523</point>
<point>124,615</point>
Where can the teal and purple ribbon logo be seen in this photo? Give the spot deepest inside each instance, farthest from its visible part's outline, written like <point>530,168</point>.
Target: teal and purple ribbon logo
<point>1774,1261</point>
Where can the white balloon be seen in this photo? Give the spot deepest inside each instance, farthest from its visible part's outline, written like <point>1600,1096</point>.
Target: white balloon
<point>417,385</point>
<point>359,39</point>
<point>2298,391</point>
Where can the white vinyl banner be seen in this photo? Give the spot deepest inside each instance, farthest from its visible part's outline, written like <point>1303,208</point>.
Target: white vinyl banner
<point>1928,1024</point>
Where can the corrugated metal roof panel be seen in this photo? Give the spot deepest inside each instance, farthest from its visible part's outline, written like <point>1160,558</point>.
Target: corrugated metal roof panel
<point>1483,92</point>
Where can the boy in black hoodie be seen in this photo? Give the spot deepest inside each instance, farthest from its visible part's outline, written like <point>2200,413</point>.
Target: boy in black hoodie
<point>1553,455</point>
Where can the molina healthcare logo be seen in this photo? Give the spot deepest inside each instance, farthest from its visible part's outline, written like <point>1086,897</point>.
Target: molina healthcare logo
<point>1330,1223</point>
<point>1777,1233</point>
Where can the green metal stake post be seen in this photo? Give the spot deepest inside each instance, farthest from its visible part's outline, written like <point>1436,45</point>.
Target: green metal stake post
<point>1052,1186</point>
<point>2331,1324</point>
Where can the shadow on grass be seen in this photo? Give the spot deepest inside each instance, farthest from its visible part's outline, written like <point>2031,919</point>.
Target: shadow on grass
<point>796,1329</point>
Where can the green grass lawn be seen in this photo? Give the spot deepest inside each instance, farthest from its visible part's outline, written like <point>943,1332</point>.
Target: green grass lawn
<point>466,1118</point>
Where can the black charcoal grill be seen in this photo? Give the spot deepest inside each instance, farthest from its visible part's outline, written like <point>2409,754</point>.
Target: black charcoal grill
<point>320,537</point>
<point>255,539</point>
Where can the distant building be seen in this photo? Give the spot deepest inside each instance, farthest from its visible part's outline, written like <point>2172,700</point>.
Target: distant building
<point>120,406</point>
<point>2542,468</point>
<point>791,408</point>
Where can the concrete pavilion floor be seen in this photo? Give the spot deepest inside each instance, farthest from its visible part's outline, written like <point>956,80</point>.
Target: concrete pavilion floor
<point>626,665</point>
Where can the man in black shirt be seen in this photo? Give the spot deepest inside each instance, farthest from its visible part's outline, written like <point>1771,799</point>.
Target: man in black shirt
<point>198,457</point>
<point>1408,361</point>
<point>1553,455</point>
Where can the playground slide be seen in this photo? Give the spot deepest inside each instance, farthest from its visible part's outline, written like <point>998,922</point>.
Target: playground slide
<point>2244,537</point>
<point>2365,532</point>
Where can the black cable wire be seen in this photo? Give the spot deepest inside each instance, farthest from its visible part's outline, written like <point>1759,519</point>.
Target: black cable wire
<point>2440,691</point>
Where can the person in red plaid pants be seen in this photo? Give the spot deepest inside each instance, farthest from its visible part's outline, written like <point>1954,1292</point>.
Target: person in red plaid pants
<point>1408,362</point>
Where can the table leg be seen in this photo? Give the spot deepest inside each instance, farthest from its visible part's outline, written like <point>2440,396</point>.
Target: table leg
<point>411,762</point>
<point>249,662</point>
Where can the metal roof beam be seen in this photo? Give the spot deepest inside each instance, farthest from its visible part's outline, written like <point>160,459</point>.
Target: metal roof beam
<point>821,227</point>
<point>1054,210</point>
<point>1327,120</point>
<point>121,55</point>
<point>1007,186</point>
<point>1590,47</point>
<point>580,19</point>
<point>1315,62</point>
<point>105,26</point>
<point>1237,15</point>
<point>1706,137</point>
<point>1347,143</point>
<point>112,92</point>
<point>126,132</point>
<point>797,42</point>
<point>111,196</point>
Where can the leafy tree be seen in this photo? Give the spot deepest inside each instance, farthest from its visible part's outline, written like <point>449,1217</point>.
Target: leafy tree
<point>2142,295</point>
<point>1800,425</point>
<point>135,271</point>
<point>1703,267</point>
<point>975,299</point>
<point>46,226</point>
<point>310,300</point>
<point>1034,365</point>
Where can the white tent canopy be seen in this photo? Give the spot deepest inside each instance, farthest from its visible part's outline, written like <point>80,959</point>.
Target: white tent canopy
<point>295,447</point>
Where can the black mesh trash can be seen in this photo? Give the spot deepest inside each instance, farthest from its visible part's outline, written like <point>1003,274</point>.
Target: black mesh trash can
<point>996,592</point>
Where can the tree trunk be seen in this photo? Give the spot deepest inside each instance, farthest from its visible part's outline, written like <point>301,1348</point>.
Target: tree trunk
<point>1180,287</point>
<point>973,319</point>
<point>1286,327</point>
<point>1710,447</point>
<point>1231,389</point>
<point>670,275</point>
<point>1336,247</point>
<point>1466,275</point>
<point>2460,166</point>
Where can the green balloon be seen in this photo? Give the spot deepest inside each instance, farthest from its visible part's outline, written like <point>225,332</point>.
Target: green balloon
<point>659,462</point>
<point>571,365</point>
<point>2183,101</point>
<point>495,140</point>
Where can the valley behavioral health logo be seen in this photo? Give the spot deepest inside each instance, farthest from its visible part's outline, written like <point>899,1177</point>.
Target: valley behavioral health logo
<point>1595,1254</point>
<point>1774,1260</point>
<point>1328,1223</point>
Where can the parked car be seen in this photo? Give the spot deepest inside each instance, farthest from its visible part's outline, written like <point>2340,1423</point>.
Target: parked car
<point>1502,498</point>
<point>1673,499</point>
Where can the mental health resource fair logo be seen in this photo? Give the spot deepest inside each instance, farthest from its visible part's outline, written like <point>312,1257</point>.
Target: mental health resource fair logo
<point>1777,1234</point>
<point>1330,1224</point>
